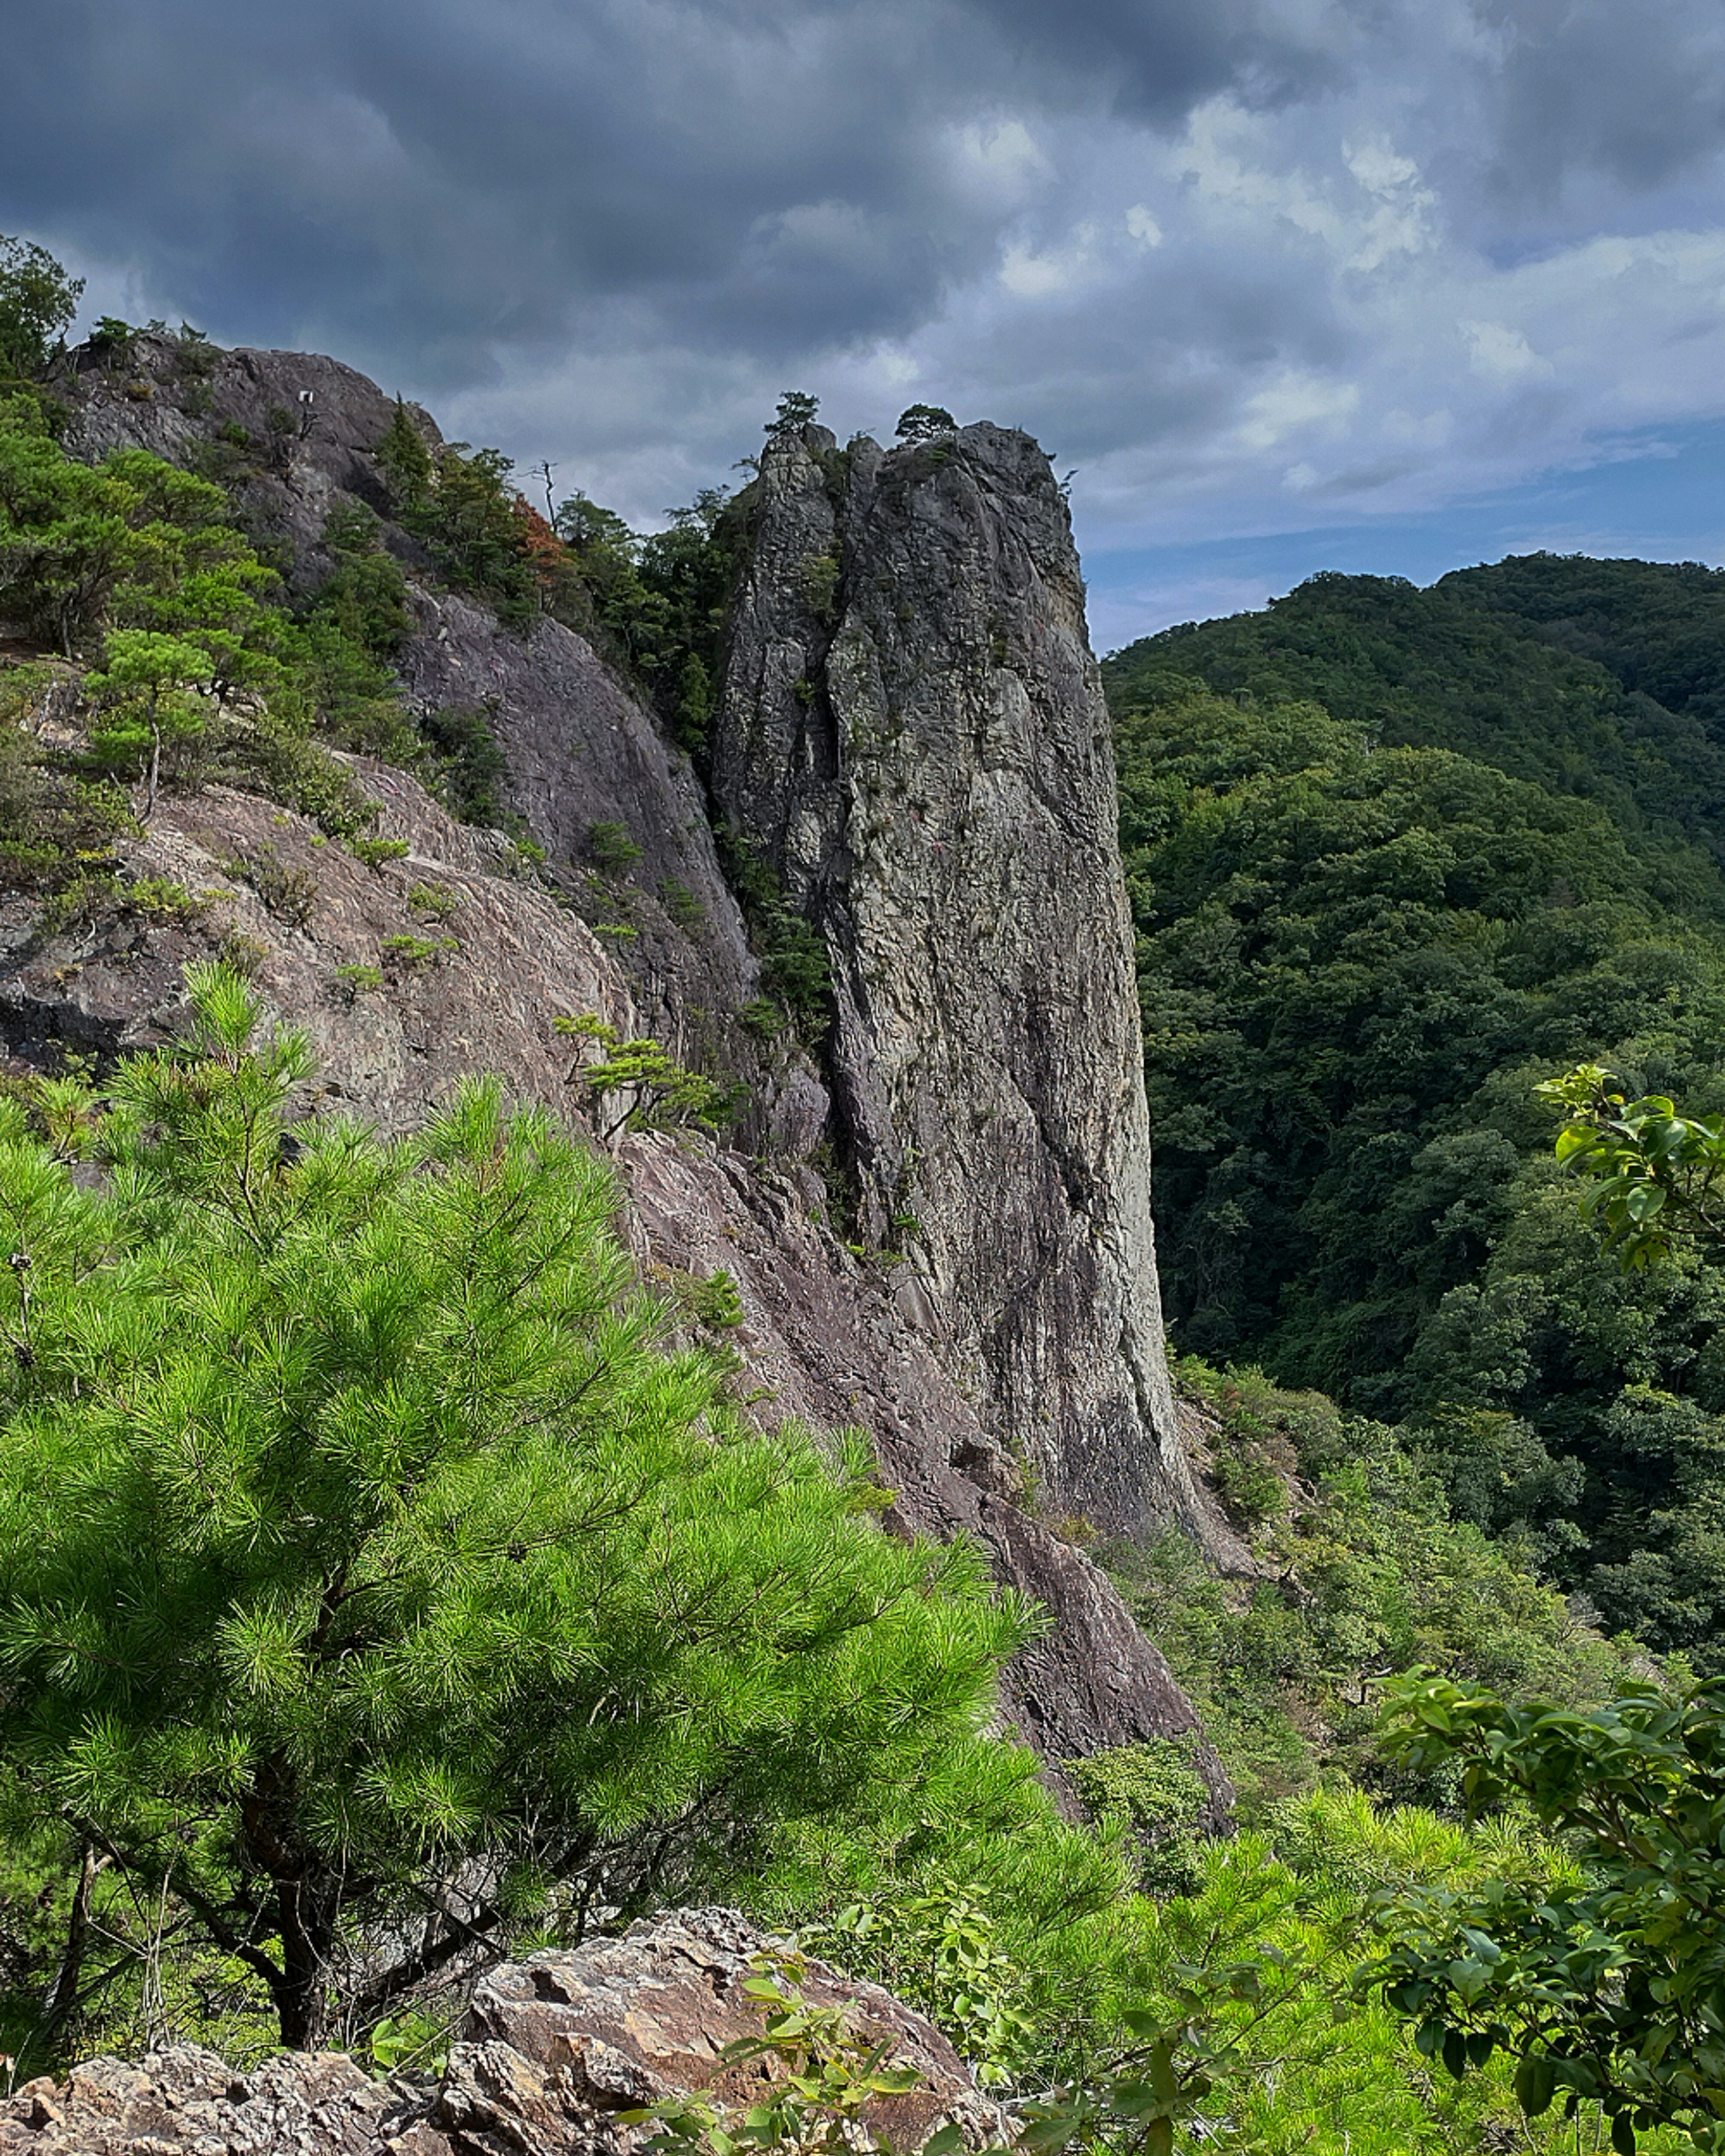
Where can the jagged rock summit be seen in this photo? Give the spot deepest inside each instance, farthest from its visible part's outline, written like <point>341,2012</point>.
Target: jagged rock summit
<point>912,731</point>
<point>912,736</point>
<point>550,2051</point>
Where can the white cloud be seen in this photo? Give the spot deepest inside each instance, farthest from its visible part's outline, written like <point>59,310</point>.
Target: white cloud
<point>1294,405</point>
<point>1005,155</point>
<point>1502,353</point>
<point>1031,276</point>
<point>1230,262</point>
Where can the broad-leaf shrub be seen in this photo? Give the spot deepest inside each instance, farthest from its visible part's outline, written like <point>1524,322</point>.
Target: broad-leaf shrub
<point>1608,1987</point>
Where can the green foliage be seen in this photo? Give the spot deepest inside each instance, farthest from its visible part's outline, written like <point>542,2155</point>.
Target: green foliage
<point>38,301</point>
<point>139,562</point>
<point>460,502</point>
<point>349,634</point>
<point>660,603</point>
<point>409,954</point>
<point>410,2043</point>
<point>289,894</point>
<point>1154,1787</point>
<point>1254,1977</point>
<point>1610,1986</point>
<point>115,339</point>
<point>468,764</point>
<point>924,422</point>
<point>149,713</point>
<point>1649,1174</point>
<point>795,972</point>
<point>1471,666</point>
<point>611,849</point>
<point>377,853</point>
<point>942,1953</point>
<point>1395,859</point>
<point>795,411</point>
<point>716,1302</point>
<point>405,459</point>
<point>353,1526</point>
<point>657,1092</point>
<point>1364,1571</point>
<point>682,904</point>
<point>56,827</point>
<point>436,901</point>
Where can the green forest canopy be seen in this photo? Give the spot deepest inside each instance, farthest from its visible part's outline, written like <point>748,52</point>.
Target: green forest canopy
<point>1396,856</point>
<point>945,1870</point>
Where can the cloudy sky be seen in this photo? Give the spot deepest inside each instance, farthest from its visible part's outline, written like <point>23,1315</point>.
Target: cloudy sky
<point>1285,283</point>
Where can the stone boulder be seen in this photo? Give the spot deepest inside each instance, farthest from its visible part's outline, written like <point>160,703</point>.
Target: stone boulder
<point>551,2051</point>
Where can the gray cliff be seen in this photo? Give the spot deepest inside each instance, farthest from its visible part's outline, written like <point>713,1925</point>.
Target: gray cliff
<point>912,732</point>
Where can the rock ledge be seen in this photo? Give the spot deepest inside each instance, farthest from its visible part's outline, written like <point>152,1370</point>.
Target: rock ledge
<point>552,2050</point>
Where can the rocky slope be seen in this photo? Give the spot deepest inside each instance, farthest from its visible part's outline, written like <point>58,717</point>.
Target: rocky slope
<point>934,785</point>
<point>550,2051</point>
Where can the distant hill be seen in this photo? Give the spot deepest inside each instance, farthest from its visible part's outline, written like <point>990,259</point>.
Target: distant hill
<point>1602,679</point>
<point>1395,856</point>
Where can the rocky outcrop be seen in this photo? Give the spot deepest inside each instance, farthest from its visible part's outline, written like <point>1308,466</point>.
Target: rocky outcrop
<point>184,2098</point>
<point>291,436</point>
<point>912,732</point>
<point>1009,1371</point>
<point>552,2050</point>
<point>823,1337</point>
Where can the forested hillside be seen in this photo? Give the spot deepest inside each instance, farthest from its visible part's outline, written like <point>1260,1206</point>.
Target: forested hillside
<point>1396,856</point>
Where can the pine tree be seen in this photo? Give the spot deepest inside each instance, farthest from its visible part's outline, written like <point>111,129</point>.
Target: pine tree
<point>374,1579</point>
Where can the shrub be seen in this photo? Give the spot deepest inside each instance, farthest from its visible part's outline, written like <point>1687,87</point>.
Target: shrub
<point>364,1548</point>
<point>407,953</point>
<point>468,767</point>
<point>611,848</point>
<point>376,852</point>
<point>38,301</point>
<point>658,1092</point>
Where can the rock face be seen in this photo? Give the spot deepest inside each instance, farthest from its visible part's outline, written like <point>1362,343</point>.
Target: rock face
<point>823,1338</point>
<point>912,732</point>
<point>985,1051</point>
<point>552,2050</point>
<point>291,435</point>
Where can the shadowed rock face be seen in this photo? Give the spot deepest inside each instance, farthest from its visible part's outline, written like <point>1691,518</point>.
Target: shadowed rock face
<point>913,733</point>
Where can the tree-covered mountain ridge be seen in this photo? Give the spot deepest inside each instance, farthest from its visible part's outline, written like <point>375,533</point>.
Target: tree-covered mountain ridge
<point>1396,856</point>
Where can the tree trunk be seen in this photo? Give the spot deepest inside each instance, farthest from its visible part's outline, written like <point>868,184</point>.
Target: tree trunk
<point>302,1996</point>
<point>63,1992</point>
<point>307,1898</point>
<point>155,763</point>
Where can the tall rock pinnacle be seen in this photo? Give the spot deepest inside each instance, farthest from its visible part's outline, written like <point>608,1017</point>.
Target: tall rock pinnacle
<point>912,733</point>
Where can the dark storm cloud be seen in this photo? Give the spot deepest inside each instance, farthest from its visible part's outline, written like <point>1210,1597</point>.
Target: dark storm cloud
<point>1632,94</point>
<point>467,172</point>
<point>1223,251</point>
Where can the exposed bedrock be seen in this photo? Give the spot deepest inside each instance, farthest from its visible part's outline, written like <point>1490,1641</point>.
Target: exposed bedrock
<point>913,733</point>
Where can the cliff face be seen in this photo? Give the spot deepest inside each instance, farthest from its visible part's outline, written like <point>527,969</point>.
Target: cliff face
<point>912,732</point>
